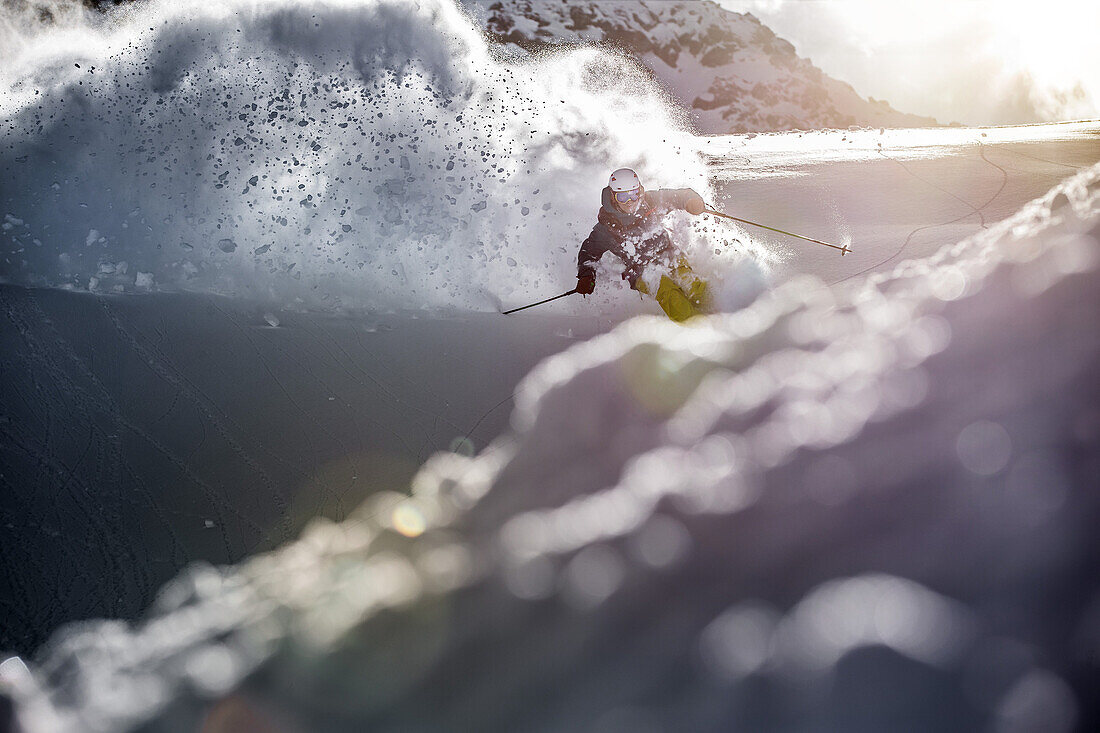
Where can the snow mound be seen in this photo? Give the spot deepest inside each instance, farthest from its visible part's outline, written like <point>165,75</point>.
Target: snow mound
<point>881,490</point>
<point>348,154</point>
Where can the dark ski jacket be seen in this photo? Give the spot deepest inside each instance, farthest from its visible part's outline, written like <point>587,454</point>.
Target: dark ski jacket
<point>637,239</point>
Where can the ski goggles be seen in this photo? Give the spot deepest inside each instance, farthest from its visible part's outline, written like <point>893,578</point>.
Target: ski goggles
<point>627,197</point>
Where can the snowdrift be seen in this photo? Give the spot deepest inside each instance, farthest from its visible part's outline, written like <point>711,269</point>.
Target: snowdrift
<point>348,154</point>
<point>882,493</point>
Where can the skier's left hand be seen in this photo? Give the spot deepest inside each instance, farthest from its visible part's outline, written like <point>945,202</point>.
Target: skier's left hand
<point>586,283</point>
<point>695,206</point>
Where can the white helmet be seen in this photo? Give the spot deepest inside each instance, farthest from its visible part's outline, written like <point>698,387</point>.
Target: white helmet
<point>626,190</point>
<point>624,179</point>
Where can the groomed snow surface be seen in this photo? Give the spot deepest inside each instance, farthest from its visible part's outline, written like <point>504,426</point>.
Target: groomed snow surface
<point>865,506</point>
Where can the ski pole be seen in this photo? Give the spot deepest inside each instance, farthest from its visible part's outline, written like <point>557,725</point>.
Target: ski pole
<point>843,250</point>
<point>525,307</point>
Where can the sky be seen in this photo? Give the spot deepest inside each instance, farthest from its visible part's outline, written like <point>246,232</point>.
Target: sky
<point>978,62</point>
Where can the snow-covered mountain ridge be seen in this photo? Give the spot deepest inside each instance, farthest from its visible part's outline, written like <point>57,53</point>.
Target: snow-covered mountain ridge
<point>729,70</point>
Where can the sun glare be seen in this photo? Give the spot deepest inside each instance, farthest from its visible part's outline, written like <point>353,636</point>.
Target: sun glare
<point>980,61</point>
<point>1045,40</point>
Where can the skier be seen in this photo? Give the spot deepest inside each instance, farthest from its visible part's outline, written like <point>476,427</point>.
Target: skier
<point>629,226</point>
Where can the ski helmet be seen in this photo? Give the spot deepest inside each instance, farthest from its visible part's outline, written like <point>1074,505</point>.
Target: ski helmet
<point>626,190</point>
<point>624,179</point>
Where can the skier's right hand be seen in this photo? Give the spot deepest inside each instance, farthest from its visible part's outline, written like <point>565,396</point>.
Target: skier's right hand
<point>586,283</point>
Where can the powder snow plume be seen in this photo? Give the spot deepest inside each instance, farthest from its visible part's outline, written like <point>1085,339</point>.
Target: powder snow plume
<point>340,154</point>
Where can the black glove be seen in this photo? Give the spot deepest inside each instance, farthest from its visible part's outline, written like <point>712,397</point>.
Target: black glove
<point>586,283</point>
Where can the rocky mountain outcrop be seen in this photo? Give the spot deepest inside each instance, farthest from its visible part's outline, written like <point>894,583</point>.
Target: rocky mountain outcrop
<point>729,70</point>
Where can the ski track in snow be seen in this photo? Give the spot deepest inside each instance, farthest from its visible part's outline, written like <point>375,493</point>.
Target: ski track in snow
<point>974,210</point>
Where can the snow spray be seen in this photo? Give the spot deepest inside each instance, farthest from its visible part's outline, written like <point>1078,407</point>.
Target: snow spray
<point>367,153</point>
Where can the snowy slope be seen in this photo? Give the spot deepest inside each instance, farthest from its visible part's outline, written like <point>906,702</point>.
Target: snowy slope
<point>311,415</point>
<point>728,69</point>
<point>887,489</point>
